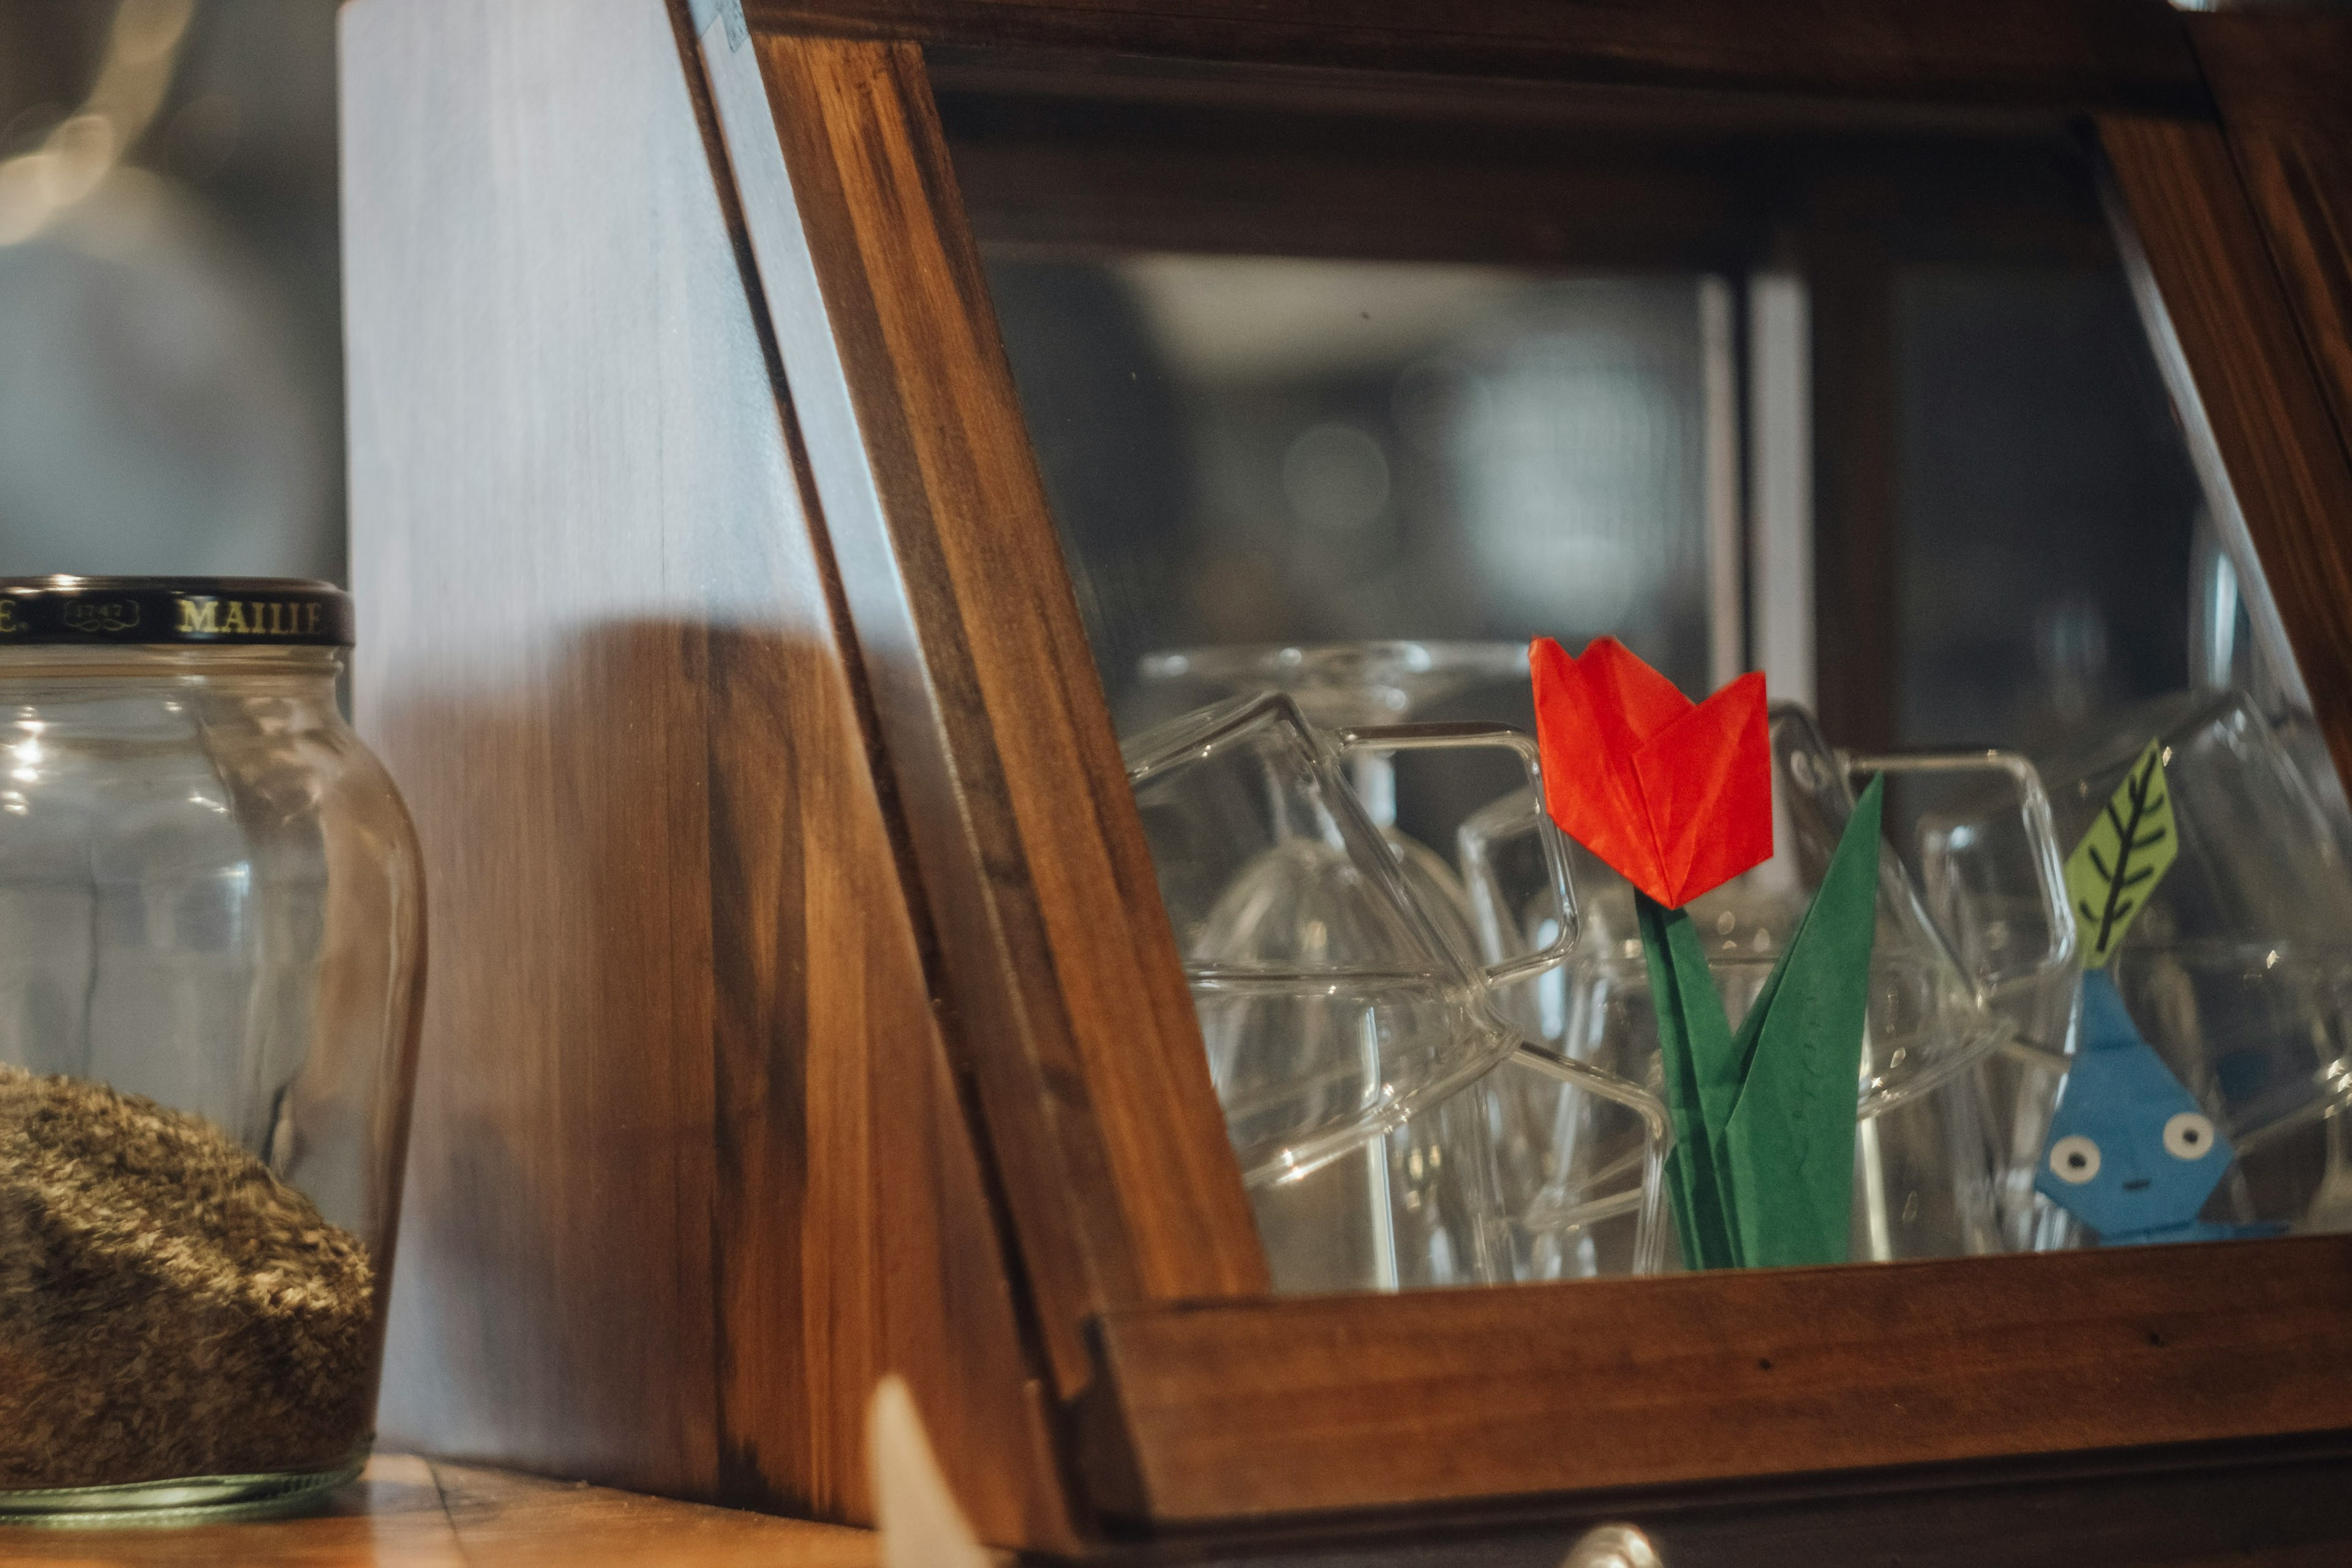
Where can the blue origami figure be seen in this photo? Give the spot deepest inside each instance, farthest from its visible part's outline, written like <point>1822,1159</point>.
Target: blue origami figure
<point>2131,1154</point>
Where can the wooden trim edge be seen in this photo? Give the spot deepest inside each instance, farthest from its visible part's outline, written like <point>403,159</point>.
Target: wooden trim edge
<point>1255,1411</point>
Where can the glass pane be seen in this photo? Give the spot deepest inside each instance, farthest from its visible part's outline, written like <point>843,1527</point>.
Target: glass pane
<point>2035,435</point>
<point>1345,391</point>
<point>1267,449</point>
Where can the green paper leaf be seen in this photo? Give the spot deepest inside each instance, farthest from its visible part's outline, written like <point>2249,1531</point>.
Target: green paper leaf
<point>2111,873</point>
<point>1695,1048</point>
<point>1787,1150</point>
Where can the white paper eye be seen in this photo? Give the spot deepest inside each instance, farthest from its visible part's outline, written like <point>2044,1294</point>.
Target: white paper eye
<point>2076,1160</point>
<point>2189,1136</point>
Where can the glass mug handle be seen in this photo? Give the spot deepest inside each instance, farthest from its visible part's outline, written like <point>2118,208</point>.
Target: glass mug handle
<point>2040,836</point>
<point>1436,737</point>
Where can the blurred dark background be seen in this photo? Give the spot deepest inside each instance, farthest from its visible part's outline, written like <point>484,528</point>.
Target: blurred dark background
<point>171,366</point>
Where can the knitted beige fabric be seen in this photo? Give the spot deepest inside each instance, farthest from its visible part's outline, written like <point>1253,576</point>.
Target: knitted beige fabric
<point>168,1306</point>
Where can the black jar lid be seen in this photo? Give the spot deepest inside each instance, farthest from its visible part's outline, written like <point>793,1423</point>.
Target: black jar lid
<point>186,610</point>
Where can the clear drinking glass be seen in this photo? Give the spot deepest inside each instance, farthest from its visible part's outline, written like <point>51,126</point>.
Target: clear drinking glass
<point>1573,1170</point>
<point>1342,1024</point>
<point>211,939</point>
<point>1593,1211</point>
<point>1990,856</point>
<point>1355,686</point>
<point>1332,1004</point>
<point>1412,1208</point>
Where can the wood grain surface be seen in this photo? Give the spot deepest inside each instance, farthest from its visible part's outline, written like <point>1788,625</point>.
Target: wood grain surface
<point>2282,1508</point>
<point>408,1512</point>
<point>1281,1407</point>
<point>1160,155</point>
<point>1059,972</point>
<point>2290,1510</point>
<point>2256,395</point>
<point>2280,78</point>
<point>2088,54</point>
<point>691,1170</point>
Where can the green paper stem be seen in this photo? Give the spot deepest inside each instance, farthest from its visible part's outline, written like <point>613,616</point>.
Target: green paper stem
<point>1762,1171</point>
<point>1692,1031</point>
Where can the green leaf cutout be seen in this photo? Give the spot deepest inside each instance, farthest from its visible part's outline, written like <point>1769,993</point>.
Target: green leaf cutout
<point>2111,873</point>
<point>1787,1147</point>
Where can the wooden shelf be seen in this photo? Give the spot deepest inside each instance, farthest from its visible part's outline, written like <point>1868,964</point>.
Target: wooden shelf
<point>408,1512</point>
<point>2289,1508</point>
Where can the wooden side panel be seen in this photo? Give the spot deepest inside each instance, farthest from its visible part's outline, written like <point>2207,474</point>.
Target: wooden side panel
<point>2091,54</point>
<point>2258,394</point>
<point>1066,1002</point>
<point>2281,80</point>
<point>690,1171</point>
<point>1256,1409</point>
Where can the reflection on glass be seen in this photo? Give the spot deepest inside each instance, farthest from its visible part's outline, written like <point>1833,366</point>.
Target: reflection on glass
<point>2048,507</point>
<point>1248,449</point>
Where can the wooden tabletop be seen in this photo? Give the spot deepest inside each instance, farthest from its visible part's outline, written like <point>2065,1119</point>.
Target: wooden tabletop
<point>406,1512</point>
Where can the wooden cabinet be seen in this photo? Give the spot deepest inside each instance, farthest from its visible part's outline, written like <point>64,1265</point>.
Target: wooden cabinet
<point>802,1004</point>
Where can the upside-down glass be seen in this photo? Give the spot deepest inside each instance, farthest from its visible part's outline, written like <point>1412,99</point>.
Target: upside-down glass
<point>1988,857</point>
<point>1924,1148</point>
<point>1352,685</point>
<point>1412,1208</point>
<point>1332,1004</point>
<point>1339,1018</point>
<point>1442,1199</point>
<point>1593,1212</point>
<point>211,930</point>
<point>1571,1170</point>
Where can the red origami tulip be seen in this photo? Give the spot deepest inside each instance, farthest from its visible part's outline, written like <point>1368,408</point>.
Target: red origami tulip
<point>1675,795</point>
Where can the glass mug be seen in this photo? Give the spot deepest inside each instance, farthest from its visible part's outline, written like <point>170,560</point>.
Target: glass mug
<point>1351,687</point>
<point>1925,1157</point>
<point>1987,867</point>
<point>1340,1019</point>
<point>1994,890</point>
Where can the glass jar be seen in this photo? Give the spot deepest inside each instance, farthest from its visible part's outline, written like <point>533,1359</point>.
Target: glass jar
<point>212,931</point>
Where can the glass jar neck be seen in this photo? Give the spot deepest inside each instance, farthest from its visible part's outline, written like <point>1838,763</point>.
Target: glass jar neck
<point>301,665</point>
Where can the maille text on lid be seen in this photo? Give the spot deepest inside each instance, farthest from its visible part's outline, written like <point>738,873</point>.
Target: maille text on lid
<point>161,610</point>
<point>201,616</point>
